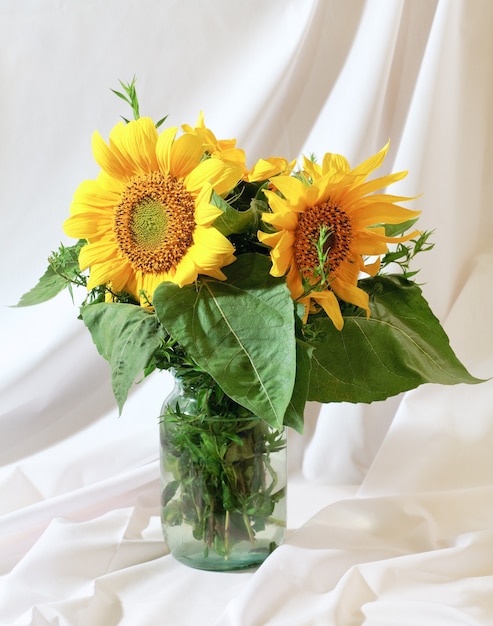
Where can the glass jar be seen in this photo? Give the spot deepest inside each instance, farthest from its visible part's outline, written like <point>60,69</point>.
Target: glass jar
<point>223,477</point>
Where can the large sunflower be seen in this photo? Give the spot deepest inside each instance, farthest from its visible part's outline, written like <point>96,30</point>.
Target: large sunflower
<point>328,222</point>
<point>147,217</point>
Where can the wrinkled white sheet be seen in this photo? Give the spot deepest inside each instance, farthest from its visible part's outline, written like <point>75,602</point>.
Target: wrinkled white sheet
<point>390,505</point>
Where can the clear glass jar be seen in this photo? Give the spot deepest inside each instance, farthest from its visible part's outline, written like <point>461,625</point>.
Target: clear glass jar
<point>223,476</point>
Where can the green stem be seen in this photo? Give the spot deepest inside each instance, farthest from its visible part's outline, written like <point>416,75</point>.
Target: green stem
<point>273,475</point>
<point>226,535</point>
<point>251,534</point>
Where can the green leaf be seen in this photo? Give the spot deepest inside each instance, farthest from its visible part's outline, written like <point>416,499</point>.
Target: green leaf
<point>48,286</point>
<point>401,346</point>
<point>233,221</point>
<point>127,336</point>
<point>161,121</point>
<point>169,492</point>
<point>241,332</point>
<point>130,97</point>
<point>294,416</point>
<point>63,271</point>
<point>394,230</point>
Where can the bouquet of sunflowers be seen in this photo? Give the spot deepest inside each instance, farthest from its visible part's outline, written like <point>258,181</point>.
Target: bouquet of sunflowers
<point>274,280</point>
<point>260,288</point>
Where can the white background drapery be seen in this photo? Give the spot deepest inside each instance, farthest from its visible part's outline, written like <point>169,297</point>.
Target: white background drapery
<point>390,505</point>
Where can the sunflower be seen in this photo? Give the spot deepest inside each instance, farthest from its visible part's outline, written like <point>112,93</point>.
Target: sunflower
<point>226,150</point>
<point>327,222</point>
<point>223,149</point>
<point>147,217</point>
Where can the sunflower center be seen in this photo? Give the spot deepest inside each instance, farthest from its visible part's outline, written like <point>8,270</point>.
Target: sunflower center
<point>336,246</point>
<point>154,222</point>
<point>148,223</point>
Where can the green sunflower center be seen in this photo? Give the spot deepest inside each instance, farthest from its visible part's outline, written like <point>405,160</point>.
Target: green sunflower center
<point>154,222</point>
<point>311,252</point>
<point>148,223</point>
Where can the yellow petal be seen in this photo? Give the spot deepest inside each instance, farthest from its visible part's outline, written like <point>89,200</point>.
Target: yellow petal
<point>97,252</point>
<point>329,303</point>
<point>114,270</point>
<point>146,285</point>
<point>287,220</point>
<point>223,177</point>
<point>382,213</point>
<point>206,214</point>
<point>267,168</point>
<point>231,175</point>
<point>209,244</point>
<point>232,155</point>
<point>335,165</point>
<point>348,271</point>
<point>204,174</point>
<point>282,254</point>
<point>376,184</point>
<point>351,293</point>
<point>186,272</point>
<point>216,273</point>
<point>276,203</point>
<point>109,160</point>
<point>135,144</point>
<point>200,123</point>
<point>368,243</point>
<point>371,268</point>
<point>313,170</point>
<point>378,234</point>
<point>270,239</point>
<point>88,225</point>
<point>94,194</point>
<point>163,149</point>
<point>291,188</point>
<point>186,152</point>
<point>371,164</point>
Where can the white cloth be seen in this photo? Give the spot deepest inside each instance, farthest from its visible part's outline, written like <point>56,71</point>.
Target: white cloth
<point>390,507</point>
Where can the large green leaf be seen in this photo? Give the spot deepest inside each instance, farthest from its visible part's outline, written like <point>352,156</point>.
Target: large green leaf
<point>241,332</point>
<point>126,336</point>
<point>400,347</point>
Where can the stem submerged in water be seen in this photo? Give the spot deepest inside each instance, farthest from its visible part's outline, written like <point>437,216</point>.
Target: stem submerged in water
<point>221,481</point>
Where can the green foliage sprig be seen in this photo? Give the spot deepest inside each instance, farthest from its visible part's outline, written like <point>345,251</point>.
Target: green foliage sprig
<point>130,97</point>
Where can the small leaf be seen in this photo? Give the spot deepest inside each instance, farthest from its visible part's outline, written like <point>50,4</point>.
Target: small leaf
<point>48,286</point>
<point>161,121</point>
<point>394,230</point>
<point>127,336</point>
<point>122,96</point>
<point>233,221</point>
<point>169,492</point>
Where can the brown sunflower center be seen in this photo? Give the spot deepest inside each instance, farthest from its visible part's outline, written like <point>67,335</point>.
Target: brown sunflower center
<point>154,222</point>
<point>336,246</point>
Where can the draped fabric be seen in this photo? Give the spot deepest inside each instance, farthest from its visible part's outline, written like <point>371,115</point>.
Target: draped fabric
<point>390,515</point>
